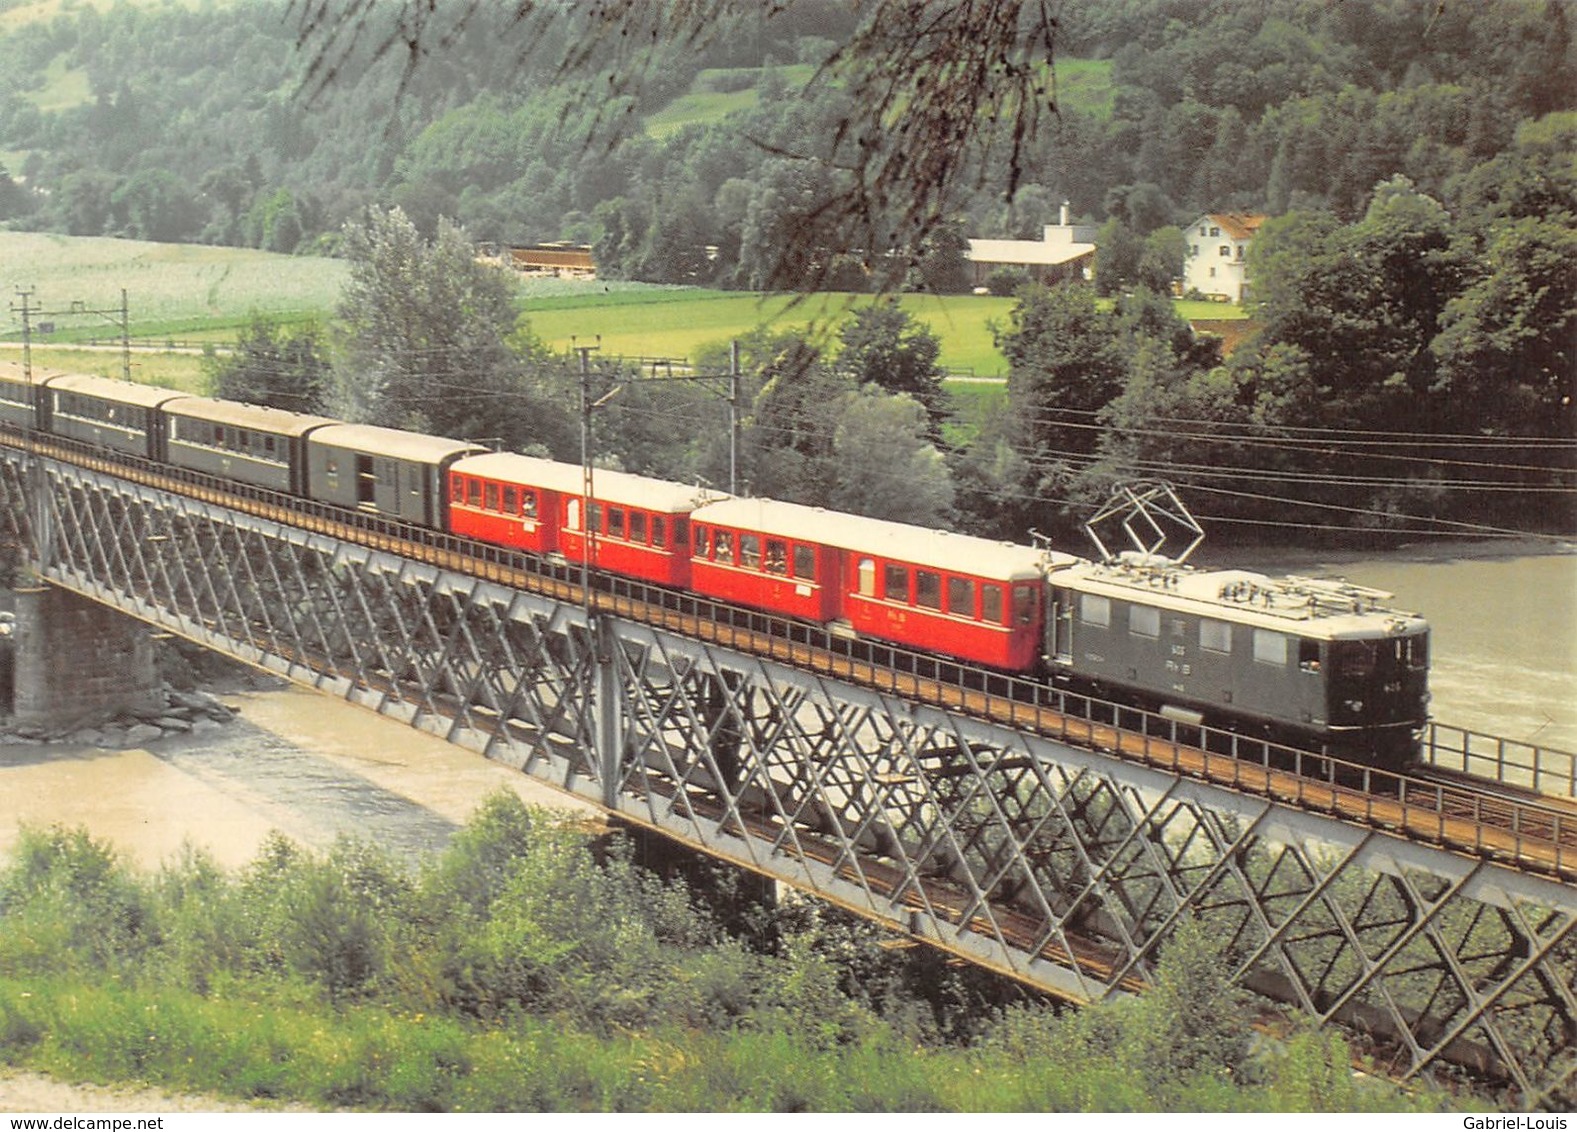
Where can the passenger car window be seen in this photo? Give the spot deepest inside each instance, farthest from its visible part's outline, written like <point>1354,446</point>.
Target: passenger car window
<point>991,603</point>
<point>616,522</point>
<point>638,526</point>
<point>528,504</point>
<point>805,563</point>
<point>1023,605</point>
<point>750,551</point>
<point>961,597</point>
<point>895,583</point>
<point>492,497</point>
<point>927,589</point>
<point>867,571</point>
<point>777,556</point>
<point>723,546</point>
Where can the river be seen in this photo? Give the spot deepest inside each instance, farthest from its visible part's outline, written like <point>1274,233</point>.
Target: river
<point>1504,633</point>
<point>312,767</point>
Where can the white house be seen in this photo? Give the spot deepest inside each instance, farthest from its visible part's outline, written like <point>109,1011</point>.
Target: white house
<point>1065,251</point>
<point>1214,264</point>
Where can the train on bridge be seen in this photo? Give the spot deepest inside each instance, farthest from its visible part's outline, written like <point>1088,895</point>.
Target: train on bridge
<point>1316,664</point>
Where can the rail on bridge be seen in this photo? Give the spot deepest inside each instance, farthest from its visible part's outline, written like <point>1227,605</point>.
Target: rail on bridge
<point>1066,867</point>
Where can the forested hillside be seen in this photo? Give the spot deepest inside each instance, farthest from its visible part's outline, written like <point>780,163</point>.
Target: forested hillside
<point>154,121</point>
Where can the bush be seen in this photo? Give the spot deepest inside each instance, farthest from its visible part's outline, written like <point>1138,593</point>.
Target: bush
<point>1005,282</point>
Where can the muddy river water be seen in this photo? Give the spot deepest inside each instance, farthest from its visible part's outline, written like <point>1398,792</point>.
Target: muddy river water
<point>1505,662</point>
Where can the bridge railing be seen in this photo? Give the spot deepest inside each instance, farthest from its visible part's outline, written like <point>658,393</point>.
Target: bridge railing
<point>1541,769</point>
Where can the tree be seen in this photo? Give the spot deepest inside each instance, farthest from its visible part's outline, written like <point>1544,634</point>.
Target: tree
<point>885,465</point>
<point>273,366</point>
<point>434,341</point>
<point>788,435</point>
<point>883,346</point>
<point>1065,362</point>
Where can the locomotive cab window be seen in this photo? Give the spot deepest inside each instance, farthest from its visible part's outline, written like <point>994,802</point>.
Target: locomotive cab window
<point>1269,647</point>
<point>1308,655</point>
<point>1353,659</point>
<point>1095,610</point>
<point>1144,621</point>
<point>1215,636</point>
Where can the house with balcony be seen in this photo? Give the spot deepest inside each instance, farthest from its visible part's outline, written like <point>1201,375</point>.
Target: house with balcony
<point>1215,263</point>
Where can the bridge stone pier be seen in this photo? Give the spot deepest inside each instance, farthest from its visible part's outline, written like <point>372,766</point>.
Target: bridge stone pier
<point>78,662</point>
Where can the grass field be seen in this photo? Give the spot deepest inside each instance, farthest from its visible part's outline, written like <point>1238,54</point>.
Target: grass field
<point>679,323</point>
<point>187,295</point>
<point>173,290</point>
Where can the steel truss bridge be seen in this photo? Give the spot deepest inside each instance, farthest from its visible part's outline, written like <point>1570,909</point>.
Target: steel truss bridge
<point>1061,852</point>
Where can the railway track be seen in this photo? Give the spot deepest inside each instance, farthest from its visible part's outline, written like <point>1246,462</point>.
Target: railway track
<point>1474,817</point>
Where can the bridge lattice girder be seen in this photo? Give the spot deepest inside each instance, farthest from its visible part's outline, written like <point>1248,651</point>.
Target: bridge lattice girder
<point>1063,867</point>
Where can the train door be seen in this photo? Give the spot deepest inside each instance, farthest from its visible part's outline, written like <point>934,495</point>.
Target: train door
<point>366,482</point>
<point>1059,626</point>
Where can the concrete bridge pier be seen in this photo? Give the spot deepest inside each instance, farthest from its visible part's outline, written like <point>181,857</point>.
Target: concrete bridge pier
<point>78,663</point>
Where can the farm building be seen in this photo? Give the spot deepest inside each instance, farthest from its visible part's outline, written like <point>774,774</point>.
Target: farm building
<point>1064,251</point>
<point>569,261</point>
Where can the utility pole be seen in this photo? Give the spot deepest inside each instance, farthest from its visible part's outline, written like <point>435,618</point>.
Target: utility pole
<point>26,312</point>
<point>120,316</point>
<point>733,417</point>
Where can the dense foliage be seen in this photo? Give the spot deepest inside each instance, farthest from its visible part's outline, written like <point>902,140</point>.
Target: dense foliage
<point>1416,284</point>
<point>210,125</point>
<point>527,968</point>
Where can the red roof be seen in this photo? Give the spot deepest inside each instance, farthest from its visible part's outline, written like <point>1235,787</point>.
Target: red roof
<point>1238,225</point>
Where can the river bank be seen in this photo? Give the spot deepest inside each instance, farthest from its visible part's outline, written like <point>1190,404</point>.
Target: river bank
<point>293,760</point>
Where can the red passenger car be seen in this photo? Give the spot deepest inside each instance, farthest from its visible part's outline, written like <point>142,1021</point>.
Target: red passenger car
<point>511,500</point>
<point>765,554</point>
<point>967,597</point>
<point>640,524</point>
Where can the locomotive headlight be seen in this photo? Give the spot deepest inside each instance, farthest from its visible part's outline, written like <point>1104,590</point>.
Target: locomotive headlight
<point>1355,706</point>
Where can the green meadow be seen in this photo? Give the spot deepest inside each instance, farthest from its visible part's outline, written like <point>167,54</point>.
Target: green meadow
<point>184,296</point>
<point>192,294</point>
